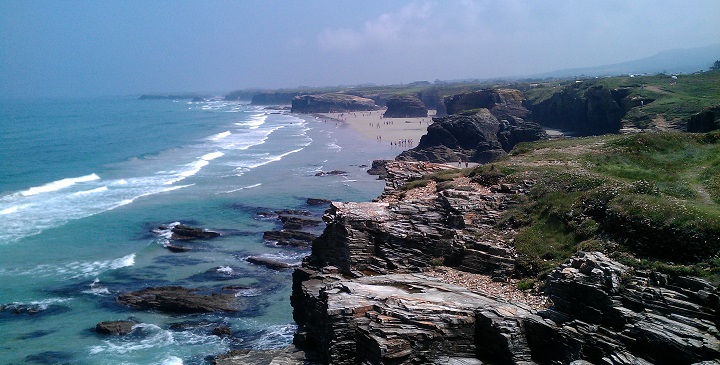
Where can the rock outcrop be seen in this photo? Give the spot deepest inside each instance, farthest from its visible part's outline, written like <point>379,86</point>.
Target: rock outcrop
<point>607,313</point>
<point>705,121</point>
<point>503,103</point>
<point>405,107</point>
<point>361,297</point>
<point>182,232</point>
<point>115,327</point>
<point>405,236</point>
<point>583,108</point>
<point>177,299</point>
<point>604,313</point>
<point>331,103</point>
<point>404,319</point>
<point>479,137</point>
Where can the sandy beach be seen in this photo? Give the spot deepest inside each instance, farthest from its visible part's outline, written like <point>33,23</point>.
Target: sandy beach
<point>373,126</point>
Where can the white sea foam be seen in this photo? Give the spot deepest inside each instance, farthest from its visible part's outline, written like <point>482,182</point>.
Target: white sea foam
<point>58,185</point>
<point>91,191</point>
<point>275,337</point>
<point>194,167</point>
<point>77,269</point>
<point>225,270</point>
<point>97,289</point>
<point>261,161</point>
<point>172,360</point>
<point>220,136</point>
<point>156,338</point>
<point>334,146</point>
<point>12,209</point>
<point>243,188</point>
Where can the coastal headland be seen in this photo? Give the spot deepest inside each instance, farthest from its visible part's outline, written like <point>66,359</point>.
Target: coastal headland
<point>548,252</point>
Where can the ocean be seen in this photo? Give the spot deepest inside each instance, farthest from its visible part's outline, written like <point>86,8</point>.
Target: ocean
<point>83,184</point>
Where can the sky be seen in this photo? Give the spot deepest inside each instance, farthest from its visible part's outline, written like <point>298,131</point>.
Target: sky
<point>101,47</point>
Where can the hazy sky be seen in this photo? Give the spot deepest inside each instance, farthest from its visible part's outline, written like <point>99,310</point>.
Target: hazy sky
<point>102,47</point>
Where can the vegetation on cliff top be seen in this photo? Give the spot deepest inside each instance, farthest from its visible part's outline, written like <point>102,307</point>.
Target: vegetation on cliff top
<point>650,200</point>
<point>667,100</point>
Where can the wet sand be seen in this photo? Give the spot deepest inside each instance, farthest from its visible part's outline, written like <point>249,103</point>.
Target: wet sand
<point>373,126</point>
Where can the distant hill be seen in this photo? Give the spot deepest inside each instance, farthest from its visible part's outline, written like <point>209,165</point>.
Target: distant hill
<point>684,61</point>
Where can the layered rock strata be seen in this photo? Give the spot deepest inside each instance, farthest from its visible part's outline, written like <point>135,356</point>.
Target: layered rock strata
<point>362,298</point>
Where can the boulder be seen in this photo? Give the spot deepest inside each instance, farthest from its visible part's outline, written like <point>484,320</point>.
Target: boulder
<point>378,168</point>
<point>705,121</point>
<point>177,299</point>
<point>331,103</point>
<point>115,327</point>
<point>222,331</point>
<point>406,106</point>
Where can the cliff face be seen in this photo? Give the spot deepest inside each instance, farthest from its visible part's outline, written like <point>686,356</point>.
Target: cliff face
<point>480,138</point>
<point>362,298</point>
<point>502,103</point>
<point>585,110</point>
<point>405,107</point>
<point>274,98</point>
<point>411,234</point>
<point>705,121</point>
<point>331,103</point>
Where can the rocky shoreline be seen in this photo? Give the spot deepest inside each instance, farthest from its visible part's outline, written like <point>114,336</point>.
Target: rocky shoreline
<point>373,291</point>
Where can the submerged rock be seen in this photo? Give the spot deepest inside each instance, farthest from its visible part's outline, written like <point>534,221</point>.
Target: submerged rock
<point>330,173</point>
<point>269,263</point>
<point>179,300</point>
<point>290,238</point>
<point>317,201</point>
<point>290,355</point>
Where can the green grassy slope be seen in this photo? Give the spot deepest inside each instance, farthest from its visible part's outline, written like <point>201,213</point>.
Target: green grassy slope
<point>651,200</point>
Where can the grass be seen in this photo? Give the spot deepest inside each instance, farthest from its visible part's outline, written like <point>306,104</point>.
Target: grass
<point>650,200</point>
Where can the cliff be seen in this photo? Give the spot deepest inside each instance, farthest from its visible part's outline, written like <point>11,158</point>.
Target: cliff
<point>613,256</point>
<point>705,121</point>
<point>331,103</point>
<point>502,103</point>
<point>581,107</point>
<point>364,295</point>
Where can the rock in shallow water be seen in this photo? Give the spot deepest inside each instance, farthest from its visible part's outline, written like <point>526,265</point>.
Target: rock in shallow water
<point>178,299</point>
<point>115,327</point>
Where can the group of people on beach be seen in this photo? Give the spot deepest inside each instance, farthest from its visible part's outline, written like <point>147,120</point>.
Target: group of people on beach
<point>402,143</point>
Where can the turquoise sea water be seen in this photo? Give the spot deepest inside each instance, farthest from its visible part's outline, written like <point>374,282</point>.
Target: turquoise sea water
<point>82,184</point>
